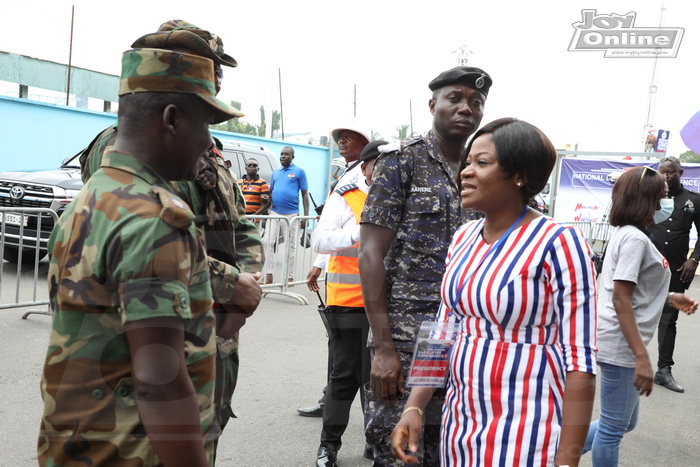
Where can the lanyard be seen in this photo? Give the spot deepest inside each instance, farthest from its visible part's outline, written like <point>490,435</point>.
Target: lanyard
<point>495,248</point>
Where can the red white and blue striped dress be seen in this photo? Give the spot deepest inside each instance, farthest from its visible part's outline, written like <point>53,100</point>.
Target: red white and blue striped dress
<point>528,316</point>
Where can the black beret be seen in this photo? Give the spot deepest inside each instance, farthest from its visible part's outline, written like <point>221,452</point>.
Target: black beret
<point>475,78</point>
<point>371,151</point>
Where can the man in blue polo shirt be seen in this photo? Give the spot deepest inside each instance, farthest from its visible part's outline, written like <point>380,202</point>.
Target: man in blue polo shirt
<point>285,183</point>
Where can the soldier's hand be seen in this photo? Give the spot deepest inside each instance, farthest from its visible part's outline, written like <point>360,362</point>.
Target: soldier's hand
<point>386,377</point>
<point>248,293</point>
<point>312,279</point>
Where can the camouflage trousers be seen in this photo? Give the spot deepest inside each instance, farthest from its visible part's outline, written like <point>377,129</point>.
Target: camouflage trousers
<point>226,378</point>
<point>383,417</point>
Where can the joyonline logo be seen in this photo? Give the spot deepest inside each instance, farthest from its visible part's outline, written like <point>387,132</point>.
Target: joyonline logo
<point>617,36</point>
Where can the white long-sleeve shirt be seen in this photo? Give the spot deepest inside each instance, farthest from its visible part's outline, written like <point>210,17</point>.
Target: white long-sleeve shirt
<point>352,176</point>
<point>337,228</point>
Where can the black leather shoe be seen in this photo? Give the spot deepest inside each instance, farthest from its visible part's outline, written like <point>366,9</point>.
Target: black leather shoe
<point>326,457</point>
<point>369,452</point>
<point>665,379</point>
<point>315,411</point>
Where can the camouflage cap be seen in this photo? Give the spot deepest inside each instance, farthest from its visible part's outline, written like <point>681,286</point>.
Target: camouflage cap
<point>157,70</point>
<point>181,34</point>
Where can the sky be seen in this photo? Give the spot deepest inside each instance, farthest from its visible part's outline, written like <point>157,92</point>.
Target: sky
<point>390,50</point>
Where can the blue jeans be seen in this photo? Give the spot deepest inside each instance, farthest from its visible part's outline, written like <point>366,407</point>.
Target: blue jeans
<point>619,409</point>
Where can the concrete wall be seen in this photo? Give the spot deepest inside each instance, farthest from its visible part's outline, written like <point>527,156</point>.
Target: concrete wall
<point>38,136</point>
<point>35,135</point>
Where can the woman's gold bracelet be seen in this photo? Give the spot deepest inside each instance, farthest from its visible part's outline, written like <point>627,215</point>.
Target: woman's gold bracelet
<point>408,409</point>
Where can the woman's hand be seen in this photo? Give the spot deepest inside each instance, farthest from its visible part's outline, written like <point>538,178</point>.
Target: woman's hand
<point>643,376</point>
<point>405,437</point>
<point>684,303</point>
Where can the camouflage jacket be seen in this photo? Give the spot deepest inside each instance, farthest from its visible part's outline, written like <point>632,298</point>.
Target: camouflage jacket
<point>233,242</point>
<point>125,249</point>
<point>248,251</point>
<point>413,194</point>
<point>91,158</point>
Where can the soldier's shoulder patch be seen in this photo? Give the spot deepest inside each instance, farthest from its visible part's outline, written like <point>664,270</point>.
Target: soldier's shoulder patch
<point>175,211</point>
<point>225,163</point>
<point>345,188</point>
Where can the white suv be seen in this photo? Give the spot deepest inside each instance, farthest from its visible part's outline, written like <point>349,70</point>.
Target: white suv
<point>54,189</point>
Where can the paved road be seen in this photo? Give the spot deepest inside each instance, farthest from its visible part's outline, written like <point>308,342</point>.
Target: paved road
<point>283,360</point>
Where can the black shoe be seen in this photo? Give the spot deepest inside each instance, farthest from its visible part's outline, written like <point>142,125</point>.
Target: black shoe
<point>369,452</point>
<point>665,379</point>
<point>326,457</point>
<point>315,411</point>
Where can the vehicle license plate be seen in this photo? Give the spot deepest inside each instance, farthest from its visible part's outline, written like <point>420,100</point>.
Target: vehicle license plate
<point>16,219</point>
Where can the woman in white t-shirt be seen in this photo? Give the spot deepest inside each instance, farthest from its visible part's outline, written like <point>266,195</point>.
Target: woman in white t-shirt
<point>631,296</point>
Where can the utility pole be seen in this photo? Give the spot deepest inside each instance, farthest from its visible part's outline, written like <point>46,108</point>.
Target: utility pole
<point>279,72</point>
<point>354,101</point>
<point>70,53</point>
<point>651,100</point>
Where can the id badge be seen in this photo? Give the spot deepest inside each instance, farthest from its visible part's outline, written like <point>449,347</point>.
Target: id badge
<point>431,356</point>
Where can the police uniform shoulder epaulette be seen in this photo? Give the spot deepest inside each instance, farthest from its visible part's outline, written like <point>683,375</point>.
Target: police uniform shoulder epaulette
<point>412,141</point>
<point>175,211</point>
<point>345,188</point>
<point>390,147</point>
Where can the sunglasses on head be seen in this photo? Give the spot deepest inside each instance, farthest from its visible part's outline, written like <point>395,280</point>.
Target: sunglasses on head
<point>648,170</point>
<point>669,158</point>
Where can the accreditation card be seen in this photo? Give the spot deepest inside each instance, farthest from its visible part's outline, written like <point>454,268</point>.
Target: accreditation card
<point>431,355</point>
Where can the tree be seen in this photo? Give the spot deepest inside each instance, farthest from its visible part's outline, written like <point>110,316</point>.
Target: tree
<point>276,122</point>
<point>236,125</point>
<point>374,135</point>
<point>263,126</point>
<point>689,156</point>
<point>402,131</point>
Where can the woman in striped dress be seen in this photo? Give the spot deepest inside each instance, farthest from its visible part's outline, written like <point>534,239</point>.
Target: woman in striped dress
<point>521,383</point>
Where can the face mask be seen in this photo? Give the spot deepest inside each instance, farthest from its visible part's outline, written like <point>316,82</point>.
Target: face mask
<point>665,212</point>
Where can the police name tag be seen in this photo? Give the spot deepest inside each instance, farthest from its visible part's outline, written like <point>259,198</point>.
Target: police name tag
<point>431,355</point>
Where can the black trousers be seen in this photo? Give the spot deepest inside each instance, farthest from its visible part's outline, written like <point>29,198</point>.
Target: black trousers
<point>350,371</point>
<point>666,334</point>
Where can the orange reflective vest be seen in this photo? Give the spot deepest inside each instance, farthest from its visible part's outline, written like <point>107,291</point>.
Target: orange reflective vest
<point>343,279</point>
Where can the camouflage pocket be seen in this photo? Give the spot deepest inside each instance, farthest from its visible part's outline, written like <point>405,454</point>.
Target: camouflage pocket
<point>124,393</point>
<point>424,221</point>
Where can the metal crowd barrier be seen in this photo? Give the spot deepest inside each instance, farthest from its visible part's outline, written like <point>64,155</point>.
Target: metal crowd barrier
<point>281,250</point>
<point>585,227</point>
<point>597,235</point>
<point>24,234</point>
<point>600,236</point>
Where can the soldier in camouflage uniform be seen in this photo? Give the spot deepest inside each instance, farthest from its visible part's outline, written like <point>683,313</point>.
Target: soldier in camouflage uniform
<point>129,372</point>
<point>234,248</point>
<point>412,210</point>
